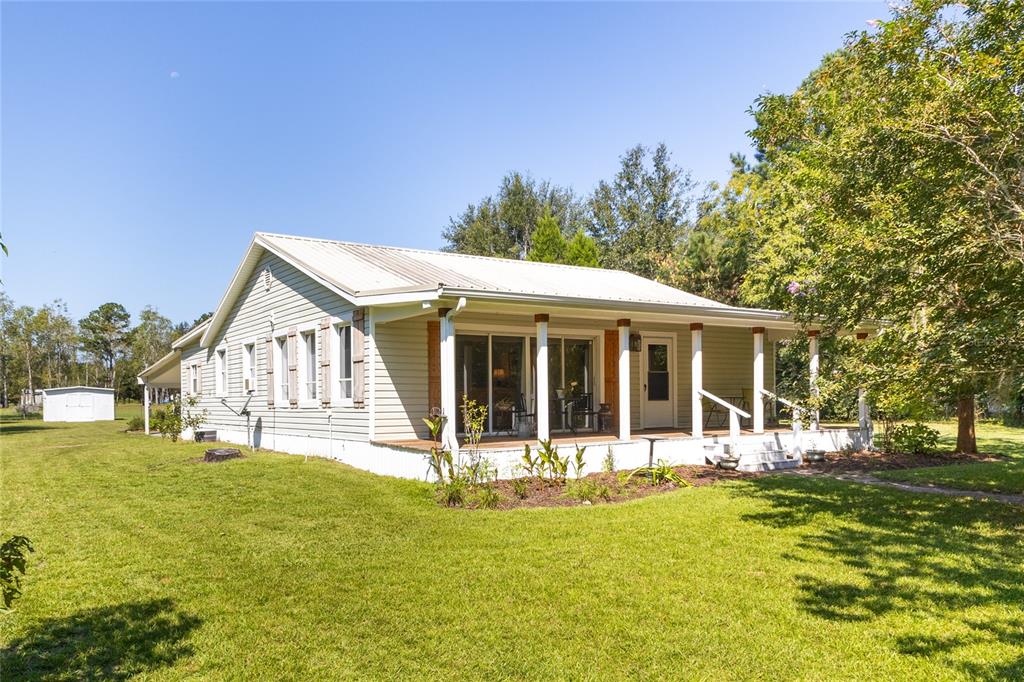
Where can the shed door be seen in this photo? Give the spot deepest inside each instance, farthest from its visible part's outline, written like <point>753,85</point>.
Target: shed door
<point>79,407</point>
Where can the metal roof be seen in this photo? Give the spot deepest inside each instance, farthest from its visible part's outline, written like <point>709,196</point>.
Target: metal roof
<point>365,270</point>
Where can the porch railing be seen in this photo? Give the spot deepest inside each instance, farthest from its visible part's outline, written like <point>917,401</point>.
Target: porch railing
<point>797,421</point>
<point>735,414</point>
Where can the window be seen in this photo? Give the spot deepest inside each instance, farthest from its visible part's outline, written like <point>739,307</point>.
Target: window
<point>221,360</point>
<point>193,379</point>
<point>281,369</point>
<point>249,368</point>
<point>343,361</point>
<point>309,365</point>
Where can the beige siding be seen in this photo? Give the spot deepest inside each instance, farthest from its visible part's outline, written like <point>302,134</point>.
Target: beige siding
<point>294,300</point>
<point>401,383</point>
<point>401,386</point>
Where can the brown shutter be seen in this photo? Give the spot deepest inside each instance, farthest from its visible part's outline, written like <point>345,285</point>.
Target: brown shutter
<point>358,365</point>
<point>270,371</point>
<point>325,361</point>
<point>434,364</point>
<point>293,369</point>
<point>611,371</point>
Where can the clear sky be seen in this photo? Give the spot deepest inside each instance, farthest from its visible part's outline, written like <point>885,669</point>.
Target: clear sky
<point>143,143</point>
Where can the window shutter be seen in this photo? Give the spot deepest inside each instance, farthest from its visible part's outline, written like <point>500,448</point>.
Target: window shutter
<point>325,361</point>
<point>358,365</point>
<point>199,378</point>
<point>270,370</point>
<point>293,369</point>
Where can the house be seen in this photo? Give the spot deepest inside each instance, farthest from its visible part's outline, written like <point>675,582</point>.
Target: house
<point>78,404</point>
<point>340,350</point>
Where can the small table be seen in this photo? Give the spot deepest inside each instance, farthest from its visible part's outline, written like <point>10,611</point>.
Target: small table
<point>650,454</point>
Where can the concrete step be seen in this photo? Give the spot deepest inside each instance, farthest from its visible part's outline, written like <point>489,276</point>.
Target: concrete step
<point>763,460</point>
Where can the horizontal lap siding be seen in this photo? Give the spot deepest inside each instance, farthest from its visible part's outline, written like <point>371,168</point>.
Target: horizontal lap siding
<point>295,301</point>
<point>402,389</point>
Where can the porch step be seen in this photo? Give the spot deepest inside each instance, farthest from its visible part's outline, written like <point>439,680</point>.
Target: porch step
<point>762,460</point>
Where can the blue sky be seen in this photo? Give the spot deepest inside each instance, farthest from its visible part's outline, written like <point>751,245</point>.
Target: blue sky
<point>143,143</point>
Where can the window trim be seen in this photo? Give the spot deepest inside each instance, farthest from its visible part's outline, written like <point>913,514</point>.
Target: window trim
<point>193,379</point>
<point>337,398</point>
<point>281,379</point>
<point>303,332</point>
<point>221,378</point>
<point>249,365</point>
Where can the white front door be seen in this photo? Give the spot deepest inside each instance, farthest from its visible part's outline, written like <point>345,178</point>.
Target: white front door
<point>657,374</point>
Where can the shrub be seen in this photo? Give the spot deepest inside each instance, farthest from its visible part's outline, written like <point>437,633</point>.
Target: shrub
<point>915,438</point>
<point>487,497</point>
<point>520,488</point>
<point>136,424</point>
<point>452,493</point>
<point>605,492</point>
<point>608,465</point>
<point>584,490</point>
<point>660,473</point>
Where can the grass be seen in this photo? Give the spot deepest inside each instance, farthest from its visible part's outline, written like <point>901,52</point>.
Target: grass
<point>148,563</point>
<point>1000,477</point>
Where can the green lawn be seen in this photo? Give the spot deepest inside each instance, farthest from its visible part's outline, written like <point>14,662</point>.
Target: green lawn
<point>1002,477</point>
<point>271,567</point>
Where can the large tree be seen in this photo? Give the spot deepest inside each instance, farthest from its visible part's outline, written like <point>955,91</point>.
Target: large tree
<point>639,219</point>
<point>896,183</point>
<point>105,336</point>
<point>503,225</point>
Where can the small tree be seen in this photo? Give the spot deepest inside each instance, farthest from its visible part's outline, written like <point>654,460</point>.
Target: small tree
<point>548,242</point>
<point>582,250</point>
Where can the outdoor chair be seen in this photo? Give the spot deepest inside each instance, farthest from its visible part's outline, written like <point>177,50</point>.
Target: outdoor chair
<point>521,415</point>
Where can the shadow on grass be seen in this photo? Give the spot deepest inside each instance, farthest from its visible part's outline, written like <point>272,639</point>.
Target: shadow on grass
<point>935,556</point>
<point>110,643</point>
<point>12,428</point>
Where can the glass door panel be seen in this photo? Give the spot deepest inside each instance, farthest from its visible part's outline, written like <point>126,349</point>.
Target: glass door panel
<point>506,378</point>
<point>470,372</point>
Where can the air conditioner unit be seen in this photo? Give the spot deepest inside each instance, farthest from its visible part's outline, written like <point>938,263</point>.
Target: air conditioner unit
<point>249,385</point>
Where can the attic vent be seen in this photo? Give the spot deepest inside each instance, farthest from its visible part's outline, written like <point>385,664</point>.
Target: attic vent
<point>267,278</point>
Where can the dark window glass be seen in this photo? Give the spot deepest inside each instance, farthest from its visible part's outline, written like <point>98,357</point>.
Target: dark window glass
<point>470,371</point>
<point>657,372</point>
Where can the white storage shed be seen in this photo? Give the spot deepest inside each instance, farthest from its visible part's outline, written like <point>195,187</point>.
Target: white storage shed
<point>78,404</point>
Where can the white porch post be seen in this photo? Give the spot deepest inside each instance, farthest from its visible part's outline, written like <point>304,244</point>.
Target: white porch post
<point>863,413</point>
<point>758,398</point>
<point>145,407</point>
<point>696,378</point>
<point>812,347</point>
<point>543,390</point>
<point>448,401</point>
<point>625,412</point>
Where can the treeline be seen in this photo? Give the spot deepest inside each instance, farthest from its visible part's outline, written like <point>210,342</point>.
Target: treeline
<point>44,347</point>
<point>887,187</point>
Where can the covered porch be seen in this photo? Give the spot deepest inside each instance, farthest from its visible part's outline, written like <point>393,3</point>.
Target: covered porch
<point>591,376</point>
<point>161,379</point>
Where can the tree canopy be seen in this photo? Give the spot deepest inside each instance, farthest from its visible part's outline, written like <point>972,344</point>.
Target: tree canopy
<point>893,194</point>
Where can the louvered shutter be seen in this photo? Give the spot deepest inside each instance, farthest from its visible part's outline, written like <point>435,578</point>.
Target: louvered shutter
<point>270,371</point>
<point>293,369</point>
<point>325,361</point>
<point>199,378</point>
<point>358,365</point>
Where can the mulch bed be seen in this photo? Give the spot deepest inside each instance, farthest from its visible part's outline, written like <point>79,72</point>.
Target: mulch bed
<point>866,461</point>
<point>542,493</point>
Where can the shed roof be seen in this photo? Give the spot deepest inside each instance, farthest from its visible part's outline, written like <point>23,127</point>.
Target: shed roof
<point>67,389</point>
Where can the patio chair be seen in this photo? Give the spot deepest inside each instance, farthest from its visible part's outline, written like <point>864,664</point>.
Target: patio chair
<point>521,414</point>
<point>581,406</point>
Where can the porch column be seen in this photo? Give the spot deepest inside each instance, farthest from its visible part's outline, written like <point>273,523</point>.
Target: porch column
<point>758,398</point>
<point>145,407</point>
<point>625,413</point>
<point>812,348</point>
<point>696,378</point>
<point>543,390</point>
<point>448,401</point>
<point>863,413</point>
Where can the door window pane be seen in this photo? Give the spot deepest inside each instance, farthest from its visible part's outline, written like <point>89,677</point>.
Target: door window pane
<point>657,372</point>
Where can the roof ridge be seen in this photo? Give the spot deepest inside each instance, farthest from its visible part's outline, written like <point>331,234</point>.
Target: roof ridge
<point>447,253</point>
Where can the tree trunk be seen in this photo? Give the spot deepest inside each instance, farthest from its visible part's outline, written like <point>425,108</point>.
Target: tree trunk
<point>965,437</point>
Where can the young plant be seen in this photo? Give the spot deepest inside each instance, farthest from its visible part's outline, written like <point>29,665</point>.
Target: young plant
<point>659,474</point>
<point>452,493</point>
<point>583,490</point>
<point>608,464</point>
<point>578,462</point>
<point>532,465</point>
<point>520,488</point>
<point>474,417</point>
<point>553,465</point>
<point>487,497</point>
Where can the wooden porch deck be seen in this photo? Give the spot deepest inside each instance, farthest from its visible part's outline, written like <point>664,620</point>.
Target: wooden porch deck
<point>582,438</point>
